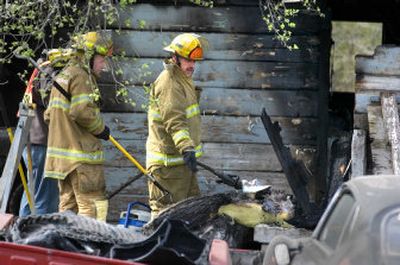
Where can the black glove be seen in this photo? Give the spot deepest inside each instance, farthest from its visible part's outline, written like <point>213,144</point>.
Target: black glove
<point>105,134</point>
<point>190,160</point>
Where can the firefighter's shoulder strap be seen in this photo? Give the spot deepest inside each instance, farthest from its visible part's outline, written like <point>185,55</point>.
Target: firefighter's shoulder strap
<point>57,59</point>
<point>45,82</point>
<point>66,94</point>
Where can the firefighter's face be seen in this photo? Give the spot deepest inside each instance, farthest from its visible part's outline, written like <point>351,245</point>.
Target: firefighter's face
<point>99,64</point>
<point>187,66</point>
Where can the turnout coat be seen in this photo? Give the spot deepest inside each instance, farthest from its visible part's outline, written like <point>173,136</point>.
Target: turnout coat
<point>73,124</point>
<point>174,118</point>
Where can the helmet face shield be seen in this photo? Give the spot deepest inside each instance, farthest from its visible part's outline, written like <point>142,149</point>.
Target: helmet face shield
<point>196,54</point>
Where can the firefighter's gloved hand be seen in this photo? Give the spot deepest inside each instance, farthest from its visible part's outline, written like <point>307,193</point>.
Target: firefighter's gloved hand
<point>105,134</point>
<point>190,160</point>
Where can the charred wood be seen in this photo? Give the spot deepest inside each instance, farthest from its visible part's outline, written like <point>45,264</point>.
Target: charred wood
<point>294,170</point>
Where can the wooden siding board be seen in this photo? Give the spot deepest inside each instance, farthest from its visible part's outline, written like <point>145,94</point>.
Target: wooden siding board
<point>251,102</point>
<point>233,156</point>
<point>373,83</point>
<point>228,101</point>
<point>223,46</point>
<point>385,61</point>
<point>241,74</point>
<point>250,130</point>
<point>379,72</point>
<point>233,19</point>
<point>222,129</point>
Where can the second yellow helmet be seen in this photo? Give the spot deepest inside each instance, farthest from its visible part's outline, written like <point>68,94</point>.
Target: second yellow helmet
<point>93,41</point>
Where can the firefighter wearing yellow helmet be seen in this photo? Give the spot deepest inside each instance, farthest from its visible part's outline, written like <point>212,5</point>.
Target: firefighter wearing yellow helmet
<point>94,42</point>
<point>75,153</point>
<point>173,144</point>
<point>188,45</point>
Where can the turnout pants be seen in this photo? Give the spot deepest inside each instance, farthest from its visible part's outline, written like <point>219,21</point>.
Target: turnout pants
<point>179,180</point>
<point>81,189</point>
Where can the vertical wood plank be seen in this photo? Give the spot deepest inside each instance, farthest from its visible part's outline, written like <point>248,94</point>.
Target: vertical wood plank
<point>358,153</point>
<point>381,157</point>
<point>390,114</point>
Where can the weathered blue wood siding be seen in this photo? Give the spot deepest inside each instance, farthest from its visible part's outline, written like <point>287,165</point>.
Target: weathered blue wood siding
<point>244,71</point>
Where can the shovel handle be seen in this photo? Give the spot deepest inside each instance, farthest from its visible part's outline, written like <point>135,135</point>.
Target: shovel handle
<point>131,158</point>
<point>139,166</point>
<point>230,180</point>
<point>209,169</point>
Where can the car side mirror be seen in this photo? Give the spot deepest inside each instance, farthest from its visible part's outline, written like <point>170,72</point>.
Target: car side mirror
<point>282,254</point>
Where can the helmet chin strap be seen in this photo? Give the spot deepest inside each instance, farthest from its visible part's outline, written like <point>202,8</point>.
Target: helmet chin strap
<point>177,59</point>
<point>91,62</point>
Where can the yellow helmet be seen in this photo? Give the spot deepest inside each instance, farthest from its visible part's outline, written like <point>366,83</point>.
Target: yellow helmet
<point>60,57</point>
<point>93,41</point>
<point>188,45</point>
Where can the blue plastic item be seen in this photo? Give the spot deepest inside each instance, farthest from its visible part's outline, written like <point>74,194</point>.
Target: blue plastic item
<point>130,219</point>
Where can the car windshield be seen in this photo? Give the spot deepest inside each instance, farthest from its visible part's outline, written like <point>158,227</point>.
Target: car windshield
<point>338,221</point>
<point>391,237</point>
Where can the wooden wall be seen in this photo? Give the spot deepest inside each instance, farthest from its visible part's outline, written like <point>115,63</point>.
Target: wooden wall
<point>377,79</point>
<point>245,70</point>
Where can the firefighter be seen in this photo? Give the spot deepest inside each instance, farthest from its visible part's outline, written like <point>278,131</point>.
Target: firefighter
<point>173,143</point>
<point>45,189</point>
<point>75,153</point>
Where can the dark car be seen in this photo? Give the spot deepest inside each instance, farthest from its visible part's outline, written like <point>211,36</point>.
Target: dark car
<point>361,225</point>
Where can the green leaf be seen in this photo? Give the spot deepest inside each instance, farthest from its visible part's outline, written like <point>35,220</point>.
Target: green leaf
<point>142,23</point>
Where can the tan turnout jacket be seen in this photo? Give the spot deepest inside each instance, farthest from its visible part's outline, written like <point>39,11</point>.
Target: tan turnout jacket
<point>73,124</point>
<point>174,118</point>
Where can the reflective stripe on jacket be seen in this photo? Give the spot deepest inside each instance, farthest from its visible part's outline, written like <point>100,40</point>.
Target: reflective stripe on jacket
<point>156,158</point>
<point>72,125</point>
<point>174,118</point>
